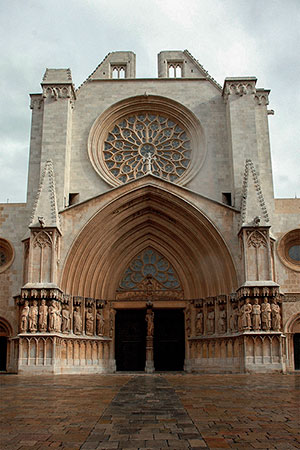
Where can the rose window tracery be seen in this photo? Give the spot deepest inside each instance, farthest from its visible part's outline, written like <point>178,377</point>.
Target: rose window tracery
<point>147,143</point>
<point>149,264</point>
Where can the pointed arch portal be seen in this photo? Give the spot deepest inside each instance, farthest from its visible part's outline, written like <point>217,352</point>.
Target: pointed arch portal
<point>149,217</point>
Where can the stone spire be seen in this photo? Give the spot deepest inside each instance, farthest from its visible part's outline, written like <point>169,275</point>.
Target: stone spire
<point>45,212</point>
<point>253,208</point>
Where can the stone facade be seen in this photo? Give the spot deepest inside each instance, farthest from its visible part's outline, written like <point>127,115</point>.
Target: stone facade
<point>149,195</point>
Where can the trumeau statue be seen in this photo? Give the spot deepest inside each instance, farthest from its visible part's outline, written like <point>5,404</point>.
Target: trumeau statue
<point>246,310</point>
<point>77,320</point>
<point>33,317</point>
<point>89,322</point>
<point>150,322</point>
<point>66,319</point>
<point>233,320</point>
<point>266,315</point>
<point>43,314</point>
<point>256,320</point>
<point>24,317</point>
<point>276,318</point>
<point>100,323</point>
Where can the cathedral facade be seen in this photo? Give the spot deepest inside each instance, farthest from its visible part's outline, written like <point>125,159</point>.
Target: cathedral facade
<point>150,239</point>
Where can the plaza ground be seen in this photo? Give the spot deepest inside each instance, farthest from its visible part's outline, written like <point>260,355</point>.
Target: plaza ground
<point>138,411</point>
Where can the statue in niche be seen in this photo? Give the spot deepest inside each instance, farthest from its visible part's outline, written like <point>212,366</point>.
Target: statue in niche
<point>266,315</point>
<point>100,323</point>
<point>199,323</point>
<point>52,316</point>
<point>58,318</point>
<point>33,317</point>
<point>256,320</point>
<point>89,322</point>
<point>111,323</point>
<point>43,314</point>
<point>66,320</point>
<point>24,317</point>
<point>211,321</point>
<point>276,317</point>
<point>150,322</point>
<point>77,320</point>
<point>233,320</point>
<point>222,321</point>
<point>246,310</point>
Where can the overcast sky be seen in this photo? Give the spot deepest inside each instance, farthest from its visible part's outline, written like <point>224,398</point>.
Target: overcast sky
<point>228,37</point>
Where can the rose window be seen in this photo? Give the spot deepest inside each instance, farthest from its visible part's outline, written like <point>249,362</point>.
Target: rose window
<point>147,143</point>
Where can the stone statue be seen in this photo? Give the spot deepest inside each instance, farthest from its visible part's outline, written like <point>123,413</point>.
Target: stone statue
<point>58,318</point>
<point>222,321</point>
<point>233,319</point>
<point>276,317</point>
<point>100,323</point>
<point>266,315</point>
<point>199,323</point>
<point>211,321</point>
<point>150,322</point>
<point>43,314</point>
<point>33,317</point>
<point>188,321</point>
<point>256,320</point>
<point>246,310</point>
<point>89,322</point>
<point>24,317</point>
<point>52,316</point>
<point>77,320</point>
<point>66,319</point>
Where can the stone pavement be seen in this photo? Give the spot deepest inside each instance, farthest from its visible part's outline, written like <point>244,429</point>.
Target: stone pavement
<point>126,411</point>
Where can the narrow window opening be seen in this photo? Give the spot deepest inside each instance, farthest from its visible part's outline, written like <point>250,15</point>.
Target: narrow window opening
<point>122,73</point>
<point>73,199</point>
<point>178,71</point>
<point>172,72</point>
<point>226,198</point>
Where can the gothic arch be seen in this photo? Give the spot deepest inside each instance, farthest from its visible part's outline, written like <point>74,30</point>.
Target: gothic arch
<point>148,216</point>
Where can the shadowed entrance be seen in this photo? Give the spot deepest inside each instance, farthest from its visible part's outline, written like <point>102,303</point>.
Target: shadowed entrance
<point>168,339</point>
<point>130,339</point>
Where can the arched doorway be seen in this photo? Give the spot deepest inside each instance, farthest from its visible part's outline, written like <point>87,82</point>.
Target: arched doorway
<point>5,333</point>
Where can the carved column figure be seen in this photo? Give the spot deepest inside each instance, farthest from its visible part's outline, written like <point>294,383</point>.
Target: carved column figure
<point>111,323</point>
<point>199,323</point>
<point>58,318</point>
<point>246,310</point>
<point>266,315</point>
<point>256,320</point>
<point>33,317</point>
<point>89,322</point>
<point>276,317</point>
<point>222,321</point>
<point>233,319</point>
<point>24,317</point>
<point>66,319</point>
<point>43,315</point>
<point>188,321</point>
<point>77,320</point>
<point>100,323</point>
<point>52,316</point>
<point>211,321</point>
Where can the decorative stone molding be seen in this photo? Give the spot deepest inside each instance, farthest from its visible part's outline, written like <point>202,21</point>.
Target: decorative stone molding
<point>262,97</point>
<point>7,254</point>
<point>56,92</point>
<point>239,86</point>
<point>286,244</point>
<point>248,173</point>
<point>257,238</point>
<point>36,101</point>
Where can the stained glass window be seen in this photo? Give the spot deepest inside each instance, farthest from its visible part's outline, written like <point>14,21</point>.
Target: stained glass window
<point>152,264</point>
